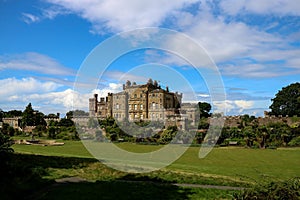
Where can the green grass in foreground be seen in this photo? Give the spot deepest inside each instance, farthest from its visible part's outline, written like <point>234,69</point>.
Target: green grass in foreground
<point>130,191</point>
<point>231,164</point>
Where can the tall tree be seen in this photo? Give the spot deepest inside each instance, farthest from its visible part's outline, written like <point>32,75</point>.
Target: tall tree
<point>1,114</point>
<point>204,109</point>
<point>31,117</point>
<point>287,101</point>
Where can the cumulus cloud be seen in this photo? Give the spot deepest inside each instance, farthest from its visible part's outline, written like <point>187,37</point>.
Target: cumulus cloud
<point>46,95</point>
<point>13,86</point>
<point>35,62</point>
<point>233,106</point>
<point>121,15</point>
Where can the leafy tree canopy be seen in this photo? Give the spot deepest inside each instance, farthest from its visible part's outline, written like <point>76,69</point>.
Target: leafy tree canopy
<point>75,113</point>
<point>287,101</point>
<point>31,117</point>
<point>204,109</point>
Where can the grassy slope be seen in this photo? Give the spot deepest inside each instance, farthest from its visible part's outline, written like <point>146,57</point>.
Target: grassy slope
<point>230,163</point>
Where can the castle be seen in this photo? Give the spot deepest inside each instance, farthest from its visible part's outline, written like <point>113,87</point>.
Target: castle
<point>142,102</point>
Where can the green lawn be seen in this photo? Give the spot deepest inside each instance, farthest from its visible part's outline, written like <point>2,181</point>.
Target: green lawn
<point>236,164</point>
<point>223,166</point>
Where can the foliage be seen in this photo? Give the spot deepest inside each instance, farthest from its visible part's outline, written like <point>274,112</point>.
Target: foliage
<point>31,117</point>
<point>12,113</point>
<point>5,143</point>
<point>76,113</point>
<point>295,142</point>
<point>204,109</point>
<point>203,123</point>
<point>66,122</point>
<point>285,190</point>
<point>287,101</point>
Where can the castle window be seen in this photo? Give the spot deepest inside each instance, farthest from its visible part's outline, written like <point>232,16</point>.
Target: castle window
<point>135,107</point>
<point>135,116</point>
<point>130,107</point>
<point>153,105</point>
<point>134,95</point>
<point>117,107</point>
<point>142,116</point>
<point>141,95</point>
<point>142,106</point>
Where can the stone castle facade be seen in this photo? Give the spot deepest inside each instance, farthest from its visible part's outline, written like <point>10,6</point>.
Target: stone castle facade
<point>142,102</point>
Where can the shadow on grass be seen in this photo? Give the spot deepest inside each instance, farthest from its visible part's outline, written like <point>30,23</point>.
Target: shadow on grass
<point>22,178</point>
<point>21,174</point>
<point>116,190</point>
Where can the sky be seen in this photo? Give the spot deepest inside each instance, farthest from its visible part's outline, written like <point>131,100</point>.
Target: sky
<point>254,44</point>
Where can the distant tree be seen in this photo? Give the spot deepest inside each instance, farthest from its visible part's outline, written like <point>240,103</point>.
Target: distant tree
<point>11,131</point>
<point>65,122</point>
<point>204,109</point>
<point>1,114</point>
<point>287,101</point>
<point>13,113</point>
<point>52,132</point>
<point>32,118</point>
<point>28,116</point>
<point>75,113</point>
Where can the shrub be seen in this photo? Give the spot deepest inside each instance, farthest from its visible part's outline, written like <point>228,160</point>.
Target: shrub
<point>286,190</point>
<point>295,142</point>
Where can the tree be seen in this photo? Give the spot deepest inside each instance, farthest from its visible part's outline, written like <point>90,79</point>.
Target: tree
<point>13,113</point>
<point>5,143</point>
<point>1,114</point>
<point>76,113</point>
<point>28,116</point>
<point>287,101</point>
<point>65,122</point>
<point>204,109</point>
<point>32,118</point>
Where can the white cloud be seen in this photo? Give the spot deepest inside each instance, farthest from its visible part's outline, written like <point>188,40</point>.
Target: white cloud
<point>36,62</point>
<point>44,95</point>
<point>280,7</point>
<point>11,87</point>
<point>233,106</point>
<point>29,18</point>
<point>122,77</point>
<point>119,15</point>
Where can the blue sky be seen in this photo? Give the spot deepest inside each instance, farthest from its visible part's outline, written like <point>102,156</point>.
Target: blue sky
<point>255,45</point>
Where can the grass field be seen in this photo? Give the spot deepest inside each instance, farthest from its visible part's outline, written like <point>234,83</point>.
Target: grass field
<point>228,165</point>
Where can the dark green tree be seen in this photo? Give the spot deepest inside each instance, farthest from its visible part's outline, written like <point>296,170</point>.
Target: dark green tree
<point>13,113</point>
<point>5,143</point>
<point>31,117</point>
<point>1,114</point>
<point>287,101</point>
<point>204,109</point>
<point>65,122</point>
<point>28,116</point>
<point>76,113</point>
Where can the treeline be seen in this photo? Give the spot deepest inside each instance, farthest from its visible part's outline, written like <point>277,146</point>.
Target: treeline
<point>56,128</point>
<point>249,133</point>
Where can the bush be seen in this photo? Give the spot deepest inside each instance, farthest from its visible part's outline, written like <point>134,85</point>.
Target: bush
<point>286,190</point>
<point>295,142</point>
